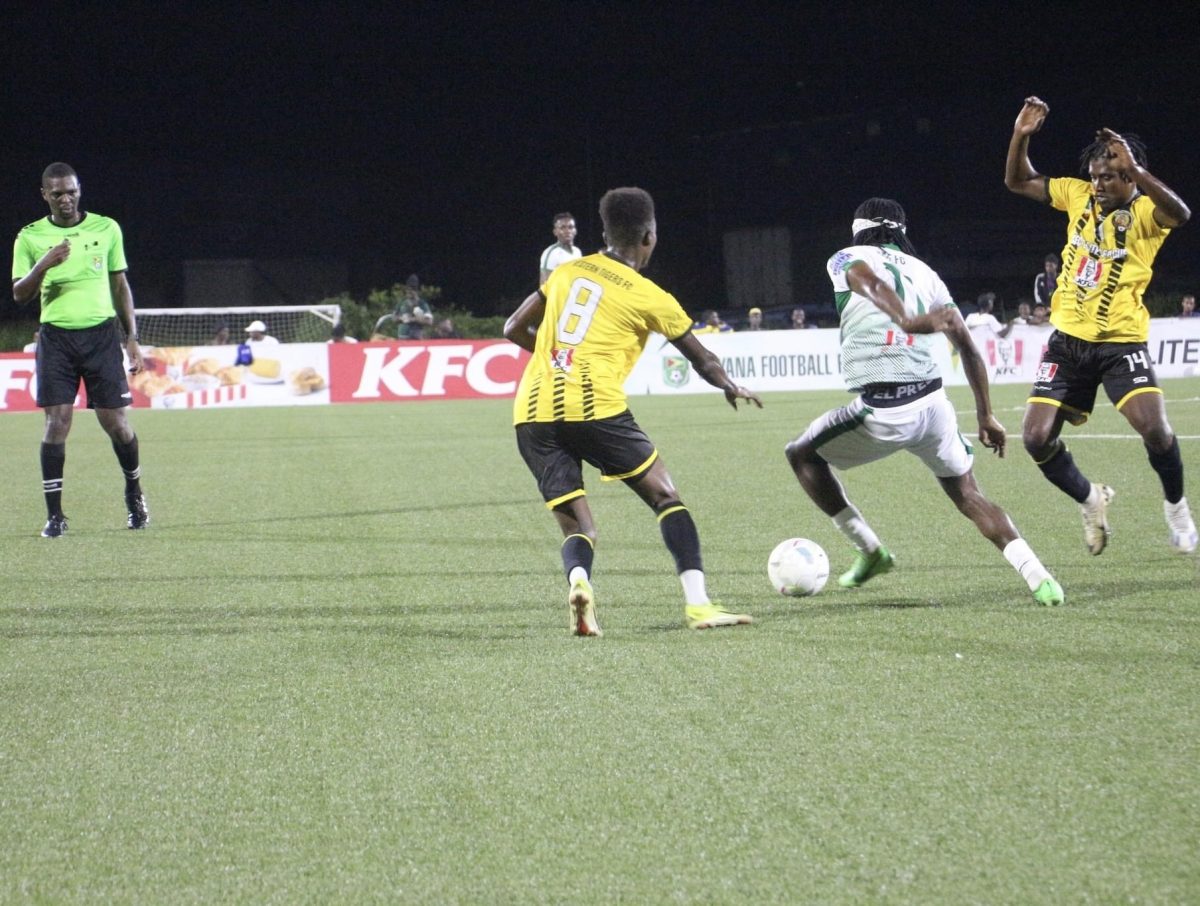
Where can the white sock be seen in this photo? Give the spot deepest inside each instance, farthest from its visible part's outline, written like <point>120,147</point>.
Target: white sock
<point>693,587</point>
<point>1025,561</point>
<point>851,524</point>
<point>577,573</point>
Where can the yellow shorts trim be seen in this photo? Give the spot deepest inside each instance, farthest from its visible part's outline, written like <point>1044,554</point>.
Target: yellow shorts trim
<point>551,504</point>
<point>633,474</point>
<point>1133,393</point>
<point>1075,416</point>
<point>665,513</point>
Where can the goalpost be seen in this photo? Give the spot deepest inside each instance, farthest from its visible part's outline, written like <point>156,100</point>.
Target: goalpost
<point>200,326</point>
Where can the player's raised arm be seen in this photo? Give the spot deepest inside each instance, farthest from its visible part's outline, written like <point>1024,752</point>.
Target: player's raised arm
<point>1169,209</point>
<point>522,325</point>
<point>708,366</point>
<point>1019,175</point>
<point>866,283</point>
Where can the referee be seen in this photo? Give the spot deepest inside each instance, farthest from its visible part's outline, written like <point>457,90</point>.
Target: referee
<point>76,261</point>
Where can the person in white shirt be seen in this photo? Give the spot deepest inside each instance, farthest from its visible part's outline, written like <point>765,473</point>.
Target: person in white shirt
<point>563,250</point>
<point>256,335</point>
<point>983,317</point>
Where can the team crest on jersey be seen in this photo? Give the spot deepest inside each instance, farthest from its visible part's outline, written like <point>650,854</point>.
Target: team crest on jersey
<point>97,262</point>
<point>1045,372</point>
<point>676,370</point>
<point>1122,220</point>
<point>562,359</point>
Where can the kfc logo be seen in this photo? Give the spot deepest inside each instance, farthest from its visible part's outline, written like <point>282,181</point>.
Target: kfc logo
<point>363,372</point>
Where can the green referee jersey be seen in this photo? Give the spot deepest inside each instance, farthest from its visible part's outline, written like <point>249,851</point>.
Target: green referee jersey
<point>76,293</point>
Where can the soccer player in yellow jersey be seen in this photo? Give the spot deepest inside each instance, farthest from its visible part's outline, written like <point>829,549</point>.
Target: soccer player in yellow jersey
<point>1117,220</point>
<point>586,327</point>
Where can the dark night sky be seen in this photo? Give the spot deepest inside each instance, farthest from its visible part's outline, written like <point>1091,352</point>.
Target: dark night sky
<point>440,138</point>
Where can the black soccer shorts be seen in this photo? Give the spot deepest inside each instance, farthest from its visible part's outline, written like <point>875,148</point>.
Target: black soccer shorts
<point>1072,369</point>
<point>90,354</point>
<point>555,452</point>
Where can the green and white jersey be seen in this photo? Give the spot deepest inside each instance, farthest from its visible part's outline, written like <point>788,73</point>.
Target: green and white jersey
<point>874,349</point>
<point>76,293</point>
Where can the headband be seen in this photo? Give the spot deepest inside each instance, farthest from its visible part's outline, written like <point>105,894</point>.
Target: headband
<point>862,223</point>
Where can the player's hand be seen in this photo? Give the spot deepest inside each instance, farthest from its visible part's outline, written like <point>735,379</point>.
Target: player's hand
<point>1119,154</point>
<point>741,393</point>
<point>992,435</point>
<point>136,362</point>
<point>56,255</point>
<point>931,322</point>
<point>1031,117</point>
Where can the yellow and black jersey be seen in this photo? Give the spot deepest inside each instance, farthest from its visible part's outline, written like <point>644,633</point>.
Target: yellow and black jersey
<point>1107,264</point>
<point>599,312</point>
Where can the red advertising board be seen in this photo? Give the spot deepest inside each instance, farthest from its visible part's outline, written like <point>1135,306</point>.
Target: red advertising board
<point>416,370</point>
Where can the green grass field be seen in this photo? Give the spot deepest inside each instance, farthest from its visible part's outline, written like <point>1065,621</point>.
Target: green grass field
<point>337,668</point>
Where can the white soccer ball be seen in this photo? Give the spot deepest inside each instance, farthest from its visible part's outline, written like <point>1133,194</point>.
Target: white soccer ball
<point>798,567</point>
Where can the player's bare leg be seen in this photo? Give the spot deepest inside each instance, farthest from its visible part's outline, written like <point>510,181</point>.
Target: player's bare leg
<point>995,525</point>
<point>822,486</point>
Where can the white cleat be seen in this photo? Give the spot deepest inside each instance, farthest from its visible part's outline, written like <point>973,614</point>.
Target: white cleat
<point>1095,518</point>
<point>1183,530</point>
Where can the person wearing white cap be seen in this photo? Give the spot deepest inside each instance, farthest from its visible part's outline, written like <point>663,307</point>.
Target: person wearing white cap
<point>256,335</point>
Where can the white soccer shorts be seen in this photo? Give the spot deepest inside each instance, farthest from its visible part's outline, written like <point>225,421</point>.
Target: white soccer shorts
<point>858,434</point>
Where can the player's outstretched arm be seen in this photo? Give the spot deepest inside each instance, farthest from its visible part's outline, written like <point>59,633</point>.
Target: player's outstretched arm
<point>1170,211</point>
<point>1019,175</point>
<point>522,325</point>
<point>991,432</point>
<point>868,284</point>
<point>708,366</point>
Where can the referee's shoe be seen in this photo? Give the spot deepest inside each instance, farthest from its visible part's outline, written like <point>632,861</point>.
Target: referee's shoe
<point>139,516</point>
<point>56,526</point>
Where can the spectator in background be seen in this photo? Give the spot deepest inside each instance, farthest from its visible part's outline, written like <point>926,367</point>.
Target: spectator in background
<point>221,336</point>
<point>32,347</point>
<point>256,335</point>
<point>412,313</point>
<point>1040,317</point>
<point>445,330</point>
<point>338,334</point>
<point>754,319</point>
<point>1046,282</point>
<point>563,250</point>
<point>710,322</point>
<point>1187,306</point>
<point>1024,313</point>
<point>800,320</point>
<point>983,317</point>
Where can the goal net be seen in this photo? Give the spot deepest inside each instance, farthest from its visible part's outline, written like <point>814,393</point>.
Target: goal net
<point>202,326</point>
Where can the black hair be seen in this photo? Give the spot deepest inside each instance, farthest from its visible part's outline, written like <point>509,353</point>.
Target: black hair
<point>880,210</point>
<point>626,214</point>
<point>1098,150</point>
<point>58,170</point>
<point>562,215</point>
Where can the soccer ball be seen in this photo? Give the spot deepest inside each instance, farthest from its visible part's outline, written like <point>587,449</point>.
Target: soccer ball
<point>798,567</point>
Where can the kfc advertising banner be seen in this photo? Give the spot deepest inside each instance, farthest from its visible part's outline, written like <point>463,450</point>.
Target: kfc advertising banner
<point>305,374</point>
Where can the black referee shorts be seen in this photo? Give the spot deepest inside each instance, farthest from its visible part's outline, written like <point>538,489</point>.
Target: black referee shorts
<point>91,354</point>
<point>555,452</point>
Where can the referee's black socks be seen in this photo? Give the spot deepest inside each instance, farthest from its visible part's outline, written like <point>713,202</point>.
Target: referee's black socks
<point>54,456</point>
<point>127,456</point>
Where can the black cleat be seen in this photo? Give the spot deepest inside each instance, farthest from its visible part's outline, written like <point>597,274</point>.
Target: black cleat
<point>139,516</point>
<point>56,526</point>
